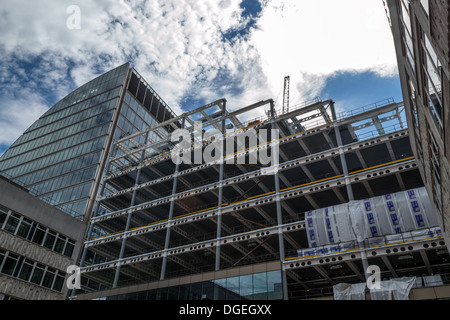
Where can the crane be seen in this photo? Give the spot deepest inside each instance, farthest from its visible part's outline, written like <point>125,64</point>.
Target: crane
<point>287,81</point>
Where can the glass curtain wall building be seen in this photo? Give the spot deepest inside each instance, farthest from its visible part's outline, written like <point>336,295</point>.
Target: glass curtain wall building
<point>61,157</point>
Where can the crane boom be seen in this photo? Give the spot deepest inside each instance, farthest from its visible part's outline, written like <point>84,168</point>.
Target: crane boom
<point>287,81</point>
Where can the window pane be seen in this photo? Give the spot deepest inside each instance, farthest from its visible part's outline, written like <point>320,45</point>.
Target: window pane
<point>50,239</point>
<point>69,248</point>
<point>25,272</point>
<point>12,222</point>
<point>60,242</point>
<point>233,288</point>
<point>207,291</point>
<point>3,214</point>
<point>274,285</point>
<point>37,275</point>
<point>425,5</point>
<point>39,235</point>
<point>24,228</point>
<point>260,286</point>
<point>32,230</point>
<point>2,256</point>
<point>246,286</point>
<point>10,264</point>
<point>406,18</point>
<point>59,281</point>
<point>48,279</point>
<point>220,289</point>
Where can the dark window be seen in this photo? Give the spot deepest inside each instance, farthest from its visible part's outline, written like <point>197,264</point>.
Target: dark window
<point>48,278</point>
<point>148,100</point>
<point>50,239</point>
<point>3,214</point>
<point>37,274</point>
<point>133,86</point>
<point>60,242</point>
<point>39,235</point>
<point>59,281</point>
<point>24,228</point>
<point>69,248</point>
<point>12,222</point>
<point>10,264</point>
<point>25,272</point>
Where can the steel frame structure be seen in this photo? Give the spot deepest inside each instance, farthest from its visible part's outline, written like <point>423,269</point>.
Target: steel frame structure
<point>155,219</point>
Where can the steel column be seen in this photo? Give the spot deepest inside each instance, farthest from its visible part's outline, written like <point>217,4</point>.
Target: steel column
<point>275,160</point>
<point>127,227</point>
<point>220,194</point>
<point>171,209</point>
<point>347,180</point>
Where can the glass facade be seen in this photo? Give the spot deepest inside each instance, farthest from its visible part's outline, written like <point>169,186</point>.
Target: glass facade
<point>142,108</point>
<point>257,286</point>
<point>58,157</point>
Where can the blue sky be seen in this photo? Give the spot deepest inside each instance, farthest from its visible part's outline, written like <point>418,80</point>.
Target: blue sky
<point>195,52</point>
<point>352,90</point>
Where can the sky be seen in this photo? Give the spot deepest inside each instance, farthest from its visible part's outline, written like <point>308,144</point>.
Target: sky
<point>194,52</point>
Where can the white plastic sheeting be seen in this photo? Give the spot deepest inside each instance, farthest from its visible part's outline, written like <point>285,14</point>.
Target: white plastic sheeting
<point>369,219</point>
<point>397,289</point>
<point>345,291</point>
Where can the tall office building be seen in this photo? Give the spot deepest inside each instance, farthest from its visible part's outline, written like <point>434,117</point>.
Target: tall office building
<point>342,192</point>
<point>421,33</point>
<point>61,157</point>
<point>60,160</point>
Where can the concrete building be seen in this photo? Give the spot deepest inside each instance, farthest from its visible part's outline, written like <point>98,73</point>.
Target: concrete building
<point>421,36</point>
<point>342,192</point>
<point>38,243</point>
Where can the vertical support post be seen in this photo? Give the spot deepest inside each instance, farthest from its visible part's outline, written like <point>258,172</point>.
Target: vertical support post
<point>97,205</point>
<point>127,227</point>
<point>275,160</point>
<point>171,209</point>
<point>95,212</point>
<point>220,195</point>
<point>347,180</point>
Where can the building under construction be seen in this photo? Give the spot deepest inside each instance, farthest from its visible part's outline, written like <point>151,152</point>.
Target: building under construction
<point>342,192</point>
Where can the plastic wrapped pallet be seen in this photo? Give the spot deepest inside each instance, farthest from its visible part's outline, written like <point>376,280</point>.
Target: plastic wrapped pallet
<point>345,291</point>
<point>433,280</point>
<point>393,216</point>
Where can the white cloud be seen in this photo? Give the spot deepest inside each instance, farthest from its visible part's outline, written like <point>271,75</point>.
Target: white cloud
<point>179,48</point>
<point>21,110</point>
<point>311,40</point>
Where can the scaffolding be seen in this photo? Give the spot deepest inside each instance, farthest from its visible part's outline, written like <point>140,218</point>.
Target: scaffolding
<point>156,219</point>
